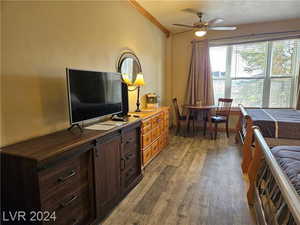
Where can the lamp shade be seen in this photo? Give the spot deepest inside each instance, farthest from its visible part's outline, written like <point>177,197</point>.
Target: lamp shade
<point>125,78</point>
<point>139,81</point>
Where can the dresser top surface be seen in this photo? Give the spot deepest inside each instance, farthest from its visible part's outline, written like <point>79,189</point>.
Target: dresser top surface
<point>50,145</point>
<point>146,113</point>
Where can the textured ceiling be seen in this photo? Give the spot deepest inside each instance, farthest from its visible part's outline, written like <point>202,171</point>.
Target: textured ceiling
<point>234,12</point>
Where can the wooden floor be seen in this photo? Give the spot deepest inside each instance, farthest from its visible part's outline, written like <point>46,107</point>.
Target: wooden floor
<point>194,181</point>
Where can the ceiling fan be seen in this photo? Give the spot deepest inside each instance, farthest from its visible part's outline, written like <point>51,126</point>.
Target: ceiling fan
<point>203,26</point>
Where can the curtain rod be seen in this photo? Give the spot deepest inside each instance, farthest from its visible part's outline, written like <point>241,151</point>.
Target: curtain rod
<point>247,35</point>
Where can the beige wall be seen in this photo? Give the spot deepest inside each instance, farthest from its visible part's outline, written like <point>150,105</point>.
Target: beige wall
<point>41,39</point>
<point>1,70</point>
<point>181,51</point>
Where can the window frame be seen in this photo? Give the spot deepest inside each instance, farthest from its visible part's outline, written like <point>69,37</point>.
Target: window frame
<point>267,78</point>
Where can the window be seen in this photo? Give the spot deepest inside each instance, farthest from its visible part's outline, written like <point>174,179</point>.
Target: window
<point>258,74</point>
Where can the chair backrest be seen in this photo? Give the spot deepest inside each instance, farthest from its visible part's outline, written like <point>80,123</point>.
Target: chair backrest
<point>176,109</point>
<point>224,106</point>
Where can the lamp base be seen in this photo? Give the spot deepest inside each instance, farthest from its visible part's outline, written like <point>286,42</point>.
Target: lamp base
<point>138,101</point>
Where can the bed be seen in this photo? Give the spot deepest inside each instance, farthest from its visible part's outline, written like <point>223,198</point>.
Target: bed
<point>274,183</point>
<point>278,126</point>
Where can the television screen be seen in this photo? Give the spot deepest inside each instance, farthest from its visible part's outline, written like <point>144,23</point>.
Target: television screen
<point>93,94</point>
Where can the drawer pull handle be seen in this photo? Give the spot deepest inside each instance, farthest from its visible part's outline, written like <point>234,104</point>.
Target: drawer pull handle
<point>129,140</point>
<point>65,204</point>
<point>62,179</point>
<point>123,164</point>
<point>129,155</point>
<point>75,221</point>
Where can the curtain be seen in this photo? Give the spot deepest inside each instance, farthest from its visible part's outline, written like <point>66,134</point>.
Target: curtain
<point>298,93</point>
<point>200,84</point>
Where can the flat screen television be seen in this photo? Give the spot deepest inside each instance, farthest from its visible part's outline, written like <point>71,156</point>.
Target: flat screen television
<point>93,94</point>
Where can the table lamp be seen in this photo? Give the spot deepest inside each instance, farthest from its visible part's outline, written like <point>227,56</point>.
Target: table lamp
<point>139,81</point>
<point>125,78</point>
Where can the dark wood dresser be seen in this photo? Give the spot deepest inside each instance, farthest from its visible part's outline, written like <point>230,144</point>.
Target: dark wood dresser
<point>79,176</point>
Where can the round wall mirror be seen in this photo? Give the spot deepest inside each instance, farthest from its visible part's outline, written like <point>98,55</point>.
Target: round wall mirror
<point>129,64</point>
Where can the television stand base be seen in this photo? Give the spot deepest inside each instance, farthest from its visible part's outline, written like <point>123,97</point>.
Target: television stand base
<point>119,118</point>
<point>75,125</point>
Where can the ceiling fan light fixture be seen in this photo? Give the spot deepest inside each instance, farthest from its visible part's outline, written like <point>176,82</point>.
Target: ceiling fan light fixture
<point>200,33</point>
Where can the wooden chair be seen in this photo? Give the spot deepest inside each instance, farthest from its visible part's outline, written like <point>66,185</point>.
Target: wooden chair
<point>222,115</point>
<point>179,117</point>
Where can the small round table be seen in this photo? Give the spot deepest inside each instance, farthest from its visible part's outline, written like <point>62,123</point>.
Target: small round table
<point>207,112</point>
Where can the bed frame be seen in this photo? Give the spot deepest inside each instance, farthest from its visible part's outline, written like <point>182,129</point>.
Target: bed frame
<point>244,132</point>
<point>273,197</point>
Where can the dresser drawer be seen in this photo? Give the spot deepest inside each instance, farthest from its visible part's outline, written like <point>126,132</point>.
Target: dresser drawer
<point>129,147</point>
<point>146,129</point>
<point>146,123</point>
<point>161,142</point>
<point>155,121</point>
<point>162,116</point>
<point>166,131</point>
<point>129,175</point>
<point>130,142</point>
<point>155,133</point>
<point>162,128</point>
<point>62,178</point>
<point>155,148</point>
<point>147,154</point>
<point>129,160</point>
<point>166,115</point>
<point>167,122</point>
<point>130,136</point>
<point>73,209</point>
<point>146,139</point>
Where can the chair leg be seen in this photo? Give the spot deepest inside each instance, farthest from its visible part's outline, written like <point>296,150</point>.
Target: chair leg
<point>187,122</point>
<point>227,129</point>
<point>193,125</point>
<point>205,127</point>
<point>216,130</point>
<point>177,129</point>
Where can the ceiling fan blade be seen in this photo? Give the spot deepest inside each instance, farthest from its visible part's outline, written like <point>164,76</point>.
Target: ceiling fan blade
<point>183,25</point>
<point>189,10</point>
<point>222,28</point>
<point>215,21</point>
